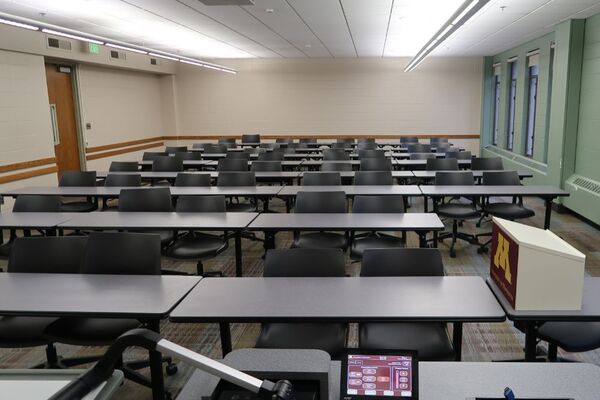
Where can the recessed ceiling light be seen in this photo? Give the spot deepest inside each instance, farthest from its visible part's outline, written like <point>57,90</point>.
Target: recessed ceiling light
<point>308,46</point>
<point>269,11</point>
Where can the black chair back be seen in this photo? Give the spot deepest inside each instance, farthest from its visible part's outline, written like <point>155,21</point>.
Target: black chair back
<point>250,138</point>
<point>339,145</point>
<point>435,141</point>
<point>78,178</point>
<point>199,145</point>
<point>459,155</point>
<point>375,164</point>
<point>486,163</point>
<point>335,167</point>
<point>370,153</point>
<point>347,141</point>
<point>176,149</point>
<point>123,180</point>
<point>373,178</point>
<point>421,156</point>
<point>454,178</point>
<point>308,140</point>
<point>501,178</point>
<point>378,204</point>
<point>226,140</point>
<point>418,148</point>
<point>271,156</point>
<point>365,140</point>
<point>167,164</point>
<point>284,140</point>
<point>201,204</point>
<point>272,166</point>
<point>321,178</point>
<point>192,179</point>
<point>188,155</point>
<point>335,155</point>
<point>233,164</point>
<point>236,155</point>
<point>47,254</point>
<point>366,146</point>
<point>402,262</point>
<point>122,254</point>
<point>304,263</point>
<point>236,179</point>
<point>442,164</point>
<point>409,139</point>
<point>151,155</point>
<point>34,203</point>
<point>139,200</point>
<point>442,147</point>
<point>123,166</point>
<point>320,202</point>
<point>210,148</point>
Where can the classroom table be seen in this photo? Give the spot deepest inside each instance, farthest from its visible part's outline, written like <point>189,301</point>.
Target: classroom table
<point>187,164</point>
<point>152,221</point>
<point>590,311</point>
<point>349,175</point>
<point>32,220</point>
<point>145,297</point>
<point>421,223</point>
<point>548,193</point>
<point>316,164</point>
<point>261,176</point>
<point>478,175</point>
<point>421,164</point>
<point>456,299</point>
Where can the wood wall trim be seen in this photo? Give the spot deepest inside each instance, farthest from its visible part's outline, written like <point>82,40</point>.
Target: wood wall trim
<point>123,151</point>
<point>27,164</point>
<point>113,146</point>
<point>28,174</point>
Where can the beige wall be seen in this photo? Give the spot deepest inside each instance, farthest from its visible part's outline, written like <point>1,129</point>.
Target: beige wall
<point>331,96</point>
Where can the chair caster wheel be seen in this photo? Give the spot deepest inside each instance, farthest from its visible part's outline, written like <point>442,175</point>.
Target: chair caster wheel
<point>452,253</point>
<point>171,369</point>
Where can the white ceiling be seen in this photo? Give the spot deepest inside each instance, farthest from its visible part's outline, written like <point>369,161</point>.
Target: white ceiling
<point>305,28</point>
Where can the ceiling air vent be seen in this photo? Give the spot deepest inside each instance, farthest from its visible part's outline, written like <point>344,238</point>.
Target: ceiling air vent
<point>118,55</point>
<point>227,2</point>
<point>55,43</point>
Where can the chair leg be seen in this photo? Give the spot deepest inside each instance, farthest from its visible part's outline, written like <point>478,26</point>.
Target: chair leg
<point>199,268</point>
<point>454,234</point>
<point>552,352</point>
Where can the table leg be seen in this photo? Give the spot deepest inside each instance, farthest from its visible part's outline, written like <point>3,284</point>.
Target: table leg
<point>530,341</point>
<point>425,204</point>
<point>156,374</point>
<point>269,240</point>
<point>288,205</point>
<point>435,240</point>
<point>238,254</point>
<point>225,338</point>
<point>457,334</point>
<point>548,202</point>
<point>422,239</point>
<point>266,204</point>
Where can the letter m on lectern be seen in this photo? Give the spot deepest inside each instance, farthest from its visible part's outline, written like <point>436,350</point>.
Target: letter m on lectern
<point>501,258</point>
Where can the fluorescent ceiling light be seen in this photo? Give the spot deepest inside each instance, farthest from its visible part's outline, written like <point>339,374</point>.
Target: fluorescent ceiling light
<point>19,24</point>
<point>70,36</point>
<point>163,56</point>
<point>209,66</point>
<point>118,46</point>
<point>458,19</point>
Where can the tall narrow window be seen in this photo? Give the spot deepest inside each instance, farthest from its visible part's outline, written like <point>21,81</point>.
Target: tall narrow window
<point>496,103</point>
<point>531,104</point>
<point>549,102</point>
<point>512,99</point>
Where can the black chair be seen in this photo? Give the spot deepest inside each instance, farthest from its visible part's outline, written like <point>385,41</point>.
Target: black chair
<point>245,178</point>
<point>151,155</point>
<point>408,139</point>
<point>459,155</point>
<point>329,337</point>
<point>321,179</point>
<point>370,153</point>
<point>284,140</point>
<point>421,156</point>
<point>271,156</point>
<point>233,165</point>
<point>62,254</point>
<point>375,164</point>
<point>320,202</point>
<point>430,339</point>
<point>366,143</point>
<point>192,179</point>
<point>443,147</point>
<point>199,145</point>
<point>211,148</point>
<point>442,164</point>
<point>338,146</point>
<point>507,210</point>
<point>366,146</point>
<point>233,155</point>
<point>574,337</point>
<point>487,164</point>
<point>266,166</point>
<point>376,240</point>
<point>126,180</point>
<point>335,167</point>
<point>124,166</point>
<point>78,178</point>
<point>252,139</point>
<point>418,148</point>
<point>269,146</point>
<point>373,178</point>
<point>138,254</point>
<point>335,155</point>
<point>188,155</point>
<point>226,141</point>
<point>435,141</point>
<point>456,211</point>
<point>148,200</point>
<point>193,245</point>
<point>176,149</point>
<point>347,141</point>
<point>167,164</point>
<point>308,140</point>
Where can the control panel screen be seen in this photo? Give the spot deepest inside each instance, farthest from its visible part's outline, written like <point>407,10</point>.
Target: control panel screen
<point>382,375</point>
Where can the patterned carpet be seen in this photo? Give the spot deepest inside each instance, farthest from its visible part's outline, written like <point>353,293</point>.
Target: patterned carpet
<point>481,342</point>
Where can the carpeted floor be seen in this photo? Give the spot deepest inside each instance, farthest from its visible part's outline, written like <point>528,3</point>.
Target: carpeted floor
<point>482,342</point>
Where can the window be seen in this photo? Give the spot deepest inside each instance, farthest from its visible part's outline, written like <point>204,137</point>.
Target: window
<point>496,103</point>
<point>531,104</point>
<point>549,102</point>
<point>512,98</point>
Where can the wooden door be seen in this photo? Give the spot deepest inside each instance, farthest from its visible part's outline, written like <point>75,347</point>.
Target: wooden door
<point>62,109</point>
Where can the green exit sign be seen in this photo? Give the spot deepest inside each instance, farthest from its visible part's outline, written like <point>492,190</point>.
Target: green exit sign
<point>94,48</point>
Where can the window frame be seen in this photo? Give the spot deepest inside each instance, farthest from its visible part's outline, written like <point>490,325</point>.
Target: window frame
<point>512,104</point>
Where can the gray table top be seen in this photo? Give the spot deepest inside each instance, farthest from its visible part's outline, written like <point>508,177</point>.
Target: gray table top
<point>380,222</point>
<point>159,220</point>
<point>213,174</point>
<point>455,298</point>
<point>355,190</point>
<point>492,190</point>
<point>351,174</point>
<point>320,162</point>
<point>23,220</point>
<point>590,310</point>
<point>123,296</point>
<point>114,191</point>
<point>413,163</point>
<point>476,174</point>
<point>189,163</point>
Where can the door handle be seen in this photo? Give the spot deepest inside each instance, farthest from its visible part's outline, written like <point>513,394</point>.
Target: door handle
<point>54,121</point>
